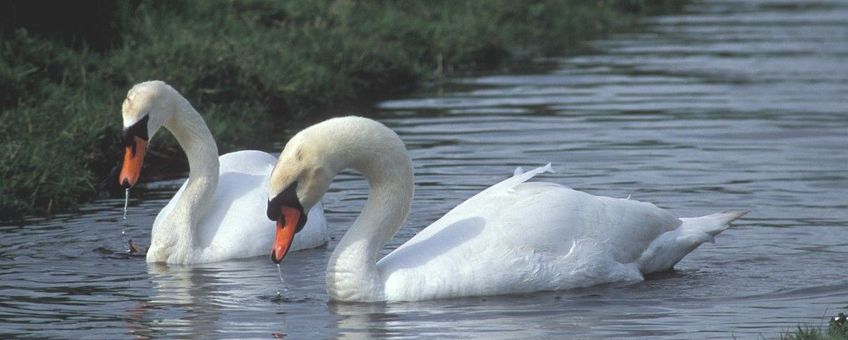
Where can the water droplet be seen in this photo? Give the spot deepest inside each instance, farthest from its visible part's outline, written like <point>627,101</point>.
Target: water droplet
<point>126,201</point>
<point>124,232</point>
<point>280,271</point>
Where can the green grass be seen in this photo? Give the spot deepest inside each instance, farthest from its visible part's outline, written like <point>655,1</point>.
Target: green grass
<point>244,65</point>
<point>837,329</point>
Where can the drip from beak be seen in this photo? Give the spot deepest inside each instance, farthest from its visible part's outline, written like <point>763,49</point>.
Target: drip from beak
<point>133,160</point>
<point>287,225</point>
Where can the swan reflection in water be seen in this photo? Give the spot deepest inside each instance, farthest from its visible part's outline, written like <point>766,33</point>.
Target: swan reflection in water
<point>238,299</point>
<point>222,299</point>
<point>209,300</point>
<point>518,317</point>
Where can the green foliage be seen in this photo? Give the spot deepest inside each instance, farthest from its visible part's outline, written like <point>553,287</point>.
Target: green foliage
<point>243,65</point>
<point>837,330</point>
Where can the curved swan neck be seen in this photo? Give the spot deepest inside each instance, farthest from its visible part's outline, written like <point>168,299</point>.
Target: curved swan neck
<point>379,155</point>
<point>196,140</point>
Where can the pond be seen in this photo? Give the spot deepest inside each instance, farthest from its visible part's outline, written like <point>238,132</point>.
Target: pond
<point>730,104</point>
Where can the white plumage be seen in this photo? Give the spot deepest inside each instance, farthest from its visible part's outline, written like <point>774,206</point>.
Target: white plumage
<point>219,212</point>
<point>519,237</point>
<point>514,237</point>
<point>235,225</point>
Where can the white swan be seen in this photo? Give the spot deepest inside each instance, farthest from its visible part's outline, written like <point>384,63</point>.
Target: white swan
<point>217,213</point>
<point>513,237</point>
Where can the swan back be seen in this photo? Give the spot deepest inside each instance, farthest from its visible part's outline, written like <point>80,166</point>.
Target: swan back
<point>519,236</point>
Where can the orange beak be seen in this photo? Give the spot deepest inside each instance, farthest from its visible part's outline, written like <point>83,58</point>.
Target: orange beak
<point>133,159</point>
<point>286,228</point>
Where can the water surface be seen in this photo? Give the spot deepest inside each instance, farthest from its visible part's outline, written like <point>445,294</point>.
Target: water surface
<point>728,105</point>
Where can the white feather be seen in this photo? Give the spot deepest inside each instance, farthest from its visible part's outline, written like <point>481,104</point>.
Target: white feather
<point>219,213</point>
<point>516,236</point>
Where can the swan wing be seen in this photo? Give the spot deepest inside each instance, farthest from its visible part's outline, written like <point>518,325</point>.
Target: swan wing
<point>235,224</point>
<point>238,215</point>
<point>518,236</point>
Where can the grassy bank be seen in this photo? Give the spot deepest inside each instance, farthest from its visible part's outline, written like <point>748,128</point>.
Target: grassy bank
<point>243,64</point>
<point>837,329</point>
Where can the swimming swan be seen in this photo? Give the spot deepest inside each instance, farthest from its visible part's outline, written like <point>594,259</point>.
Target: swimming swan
<point>513,237</point>
<point>213,216</point>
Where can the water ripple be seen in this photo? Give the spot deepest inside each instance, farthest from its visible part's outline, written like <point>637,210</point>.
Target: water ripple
<point>731,104</point>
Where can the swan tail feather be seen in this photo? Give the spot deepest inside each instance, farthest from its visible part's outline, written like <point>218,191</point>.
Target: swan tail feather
<point>668,249</point>
<point>520,176</point>
<point>712,224</point>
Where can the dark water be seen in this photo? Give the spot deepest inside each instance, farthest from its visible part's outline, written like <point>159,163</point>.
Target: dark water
<point>732,104</point>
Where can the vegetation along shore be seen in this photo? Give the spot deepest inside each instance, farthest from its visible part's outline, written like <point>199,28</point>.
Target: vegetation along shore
<point>249,67</point>
<point>837,329</point>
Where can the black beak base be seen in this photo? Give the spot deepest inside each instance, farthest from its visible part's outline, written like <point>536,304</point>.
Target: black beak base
<point>287,198</point>
<point>139,129</point>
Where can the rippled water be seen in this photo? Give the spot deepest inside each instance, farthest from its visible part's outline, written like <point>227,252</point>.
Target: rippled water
<point>731,104</point>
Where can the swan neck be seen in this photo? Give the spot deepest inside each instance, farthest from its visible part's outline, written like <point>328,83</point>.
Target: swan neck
<point>194,137</point>
<point>352,274</point>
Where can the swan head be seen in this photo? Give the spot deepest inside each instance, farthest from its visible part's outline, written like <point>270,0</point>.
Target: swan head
<point>299,180</point>
<point>147,107</point>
